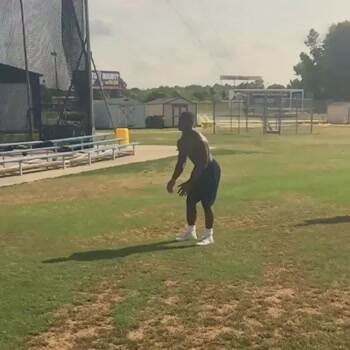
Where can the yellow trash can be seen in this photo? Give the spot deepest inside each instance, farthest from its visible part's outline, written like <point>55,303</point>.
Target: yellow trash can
<point>123,133</point>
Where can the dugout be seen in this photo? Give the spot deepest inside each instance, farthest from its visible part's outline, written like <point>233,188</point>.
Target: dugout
<point>14,116</point>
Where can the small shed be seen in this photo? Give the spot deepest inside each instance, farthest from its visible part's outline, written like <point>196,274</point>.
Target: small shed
<point>170,108</point>
<point>126,112</point>
<point>13,99</point>
<point>338,113</point>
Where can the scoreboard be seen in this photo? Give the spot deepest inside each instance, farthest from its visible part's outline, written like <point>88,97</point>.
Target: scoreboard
<point>110,80</point>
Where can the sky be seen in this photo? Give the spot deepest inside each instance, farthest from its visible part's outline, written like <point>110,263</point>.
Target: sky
<point>182,42</point>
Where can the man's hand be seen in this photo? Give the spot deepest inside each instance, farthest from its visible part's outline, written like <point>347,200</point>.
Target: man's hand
<point>184,189</point>
<point>170,186</point>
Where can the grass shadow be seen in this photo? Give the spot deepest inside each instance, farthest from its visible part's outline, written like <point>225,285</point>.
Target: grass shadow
<point>326,221</point>
<point>231,152</point>
<point>156,165</point>
<point>107,254</point>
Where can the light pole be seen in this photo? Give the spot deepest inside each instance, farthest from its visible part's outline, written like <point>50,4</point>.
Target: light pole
<point>29,91</point>
<point>54,54</point>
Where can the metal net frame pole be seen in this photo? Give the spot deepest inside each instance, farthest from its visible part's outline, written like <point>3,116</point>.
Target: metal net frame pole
<point>88,59</point>
<point>29,115</point>
<point>86,49</point>
<point>54,55</point>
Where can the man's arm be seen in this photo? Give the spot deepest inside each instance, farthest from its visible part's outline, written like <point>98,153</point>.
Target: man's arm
<point>179,168</point>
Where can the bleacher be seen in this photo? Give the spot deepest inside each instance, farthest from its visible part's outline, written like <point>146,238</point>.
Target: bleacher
<point>24,157</point>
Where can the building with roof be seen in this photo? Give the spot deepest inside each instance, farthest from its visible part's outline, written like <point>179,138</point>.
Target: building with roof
<point>14,116</point>
<point>338,113</point>
<point>170,109</point>
<point>125,112</point>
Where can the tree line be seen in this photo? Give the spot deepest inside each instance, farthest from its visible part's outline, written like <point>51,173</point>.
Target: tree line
<point>323,72</point>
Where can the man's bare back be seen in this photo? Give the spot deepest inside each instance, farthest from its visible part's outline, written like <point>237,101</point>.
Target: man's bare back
<point>204,181</point>
<point>196,147</point>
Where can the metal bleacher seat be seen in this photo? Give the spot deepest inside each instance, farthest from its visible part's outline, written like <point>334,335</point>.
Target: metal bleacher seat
<point>63,153</point>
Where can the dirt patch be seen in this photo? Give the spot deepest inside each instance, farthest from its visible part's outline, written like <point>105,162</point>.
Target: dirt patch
<point>171,284</point>
<point>285,293</point>
<point>171,300</point>
<point>222,316</point>
<point>309,311</point>
<point>248,316</point>
<point>82,326</point>
<point>136,335</point>
<point>274,312</point>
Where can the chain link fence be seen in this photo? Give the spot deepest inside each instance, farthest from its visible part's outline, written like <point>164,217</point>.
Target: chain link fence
<point>285,116</point>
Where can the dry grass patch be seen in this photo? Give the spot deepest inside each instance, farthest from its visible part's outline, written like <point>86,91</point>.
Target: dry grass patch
<point>80,326</point>
<point>271,316</point>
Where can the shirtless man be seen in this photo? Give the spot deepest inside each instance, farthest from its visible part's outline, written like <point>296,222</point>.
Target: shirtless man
<point>203,183</point>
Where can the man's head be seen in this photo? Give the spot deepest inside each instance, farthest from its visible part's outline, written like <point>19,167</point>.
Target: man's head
<point>186,121</point>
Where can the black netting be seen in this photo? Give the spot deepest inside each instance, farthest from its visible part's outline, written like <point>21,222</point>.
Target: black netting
<point>55,31</point>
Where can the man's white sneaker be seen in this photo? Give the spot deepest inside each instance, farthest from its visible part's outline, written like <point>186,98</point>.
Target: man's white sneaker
<point>206,241</point>
<point>190,236</point>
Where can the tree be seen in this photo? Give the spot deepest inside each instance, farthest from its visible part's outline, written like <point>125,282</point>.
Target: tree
<point>258,84</point>
<point>336,61</point>
<point>325,70</point>
<point>201,95</point>
<point>154,95</point>
<point>313,42</point>
<point>310,67</point>
<point>295,84</point>
<point>276,86</point>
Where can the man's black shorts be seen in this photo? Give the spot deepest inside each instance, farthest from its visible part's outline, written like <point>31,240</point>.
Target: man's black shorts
<point>206,186</point>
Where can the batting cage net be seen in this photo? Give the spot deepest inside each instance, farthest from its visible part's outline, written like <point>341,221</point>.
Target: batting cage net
<point>58,64</point>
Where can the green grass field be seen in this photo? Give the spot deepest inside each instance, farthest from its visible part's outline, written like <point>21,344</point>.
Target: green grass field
<point>88,262</point>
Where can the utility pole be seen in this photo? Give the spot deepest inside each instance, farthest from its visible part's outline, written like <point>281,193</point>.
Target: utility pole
<point>29,91</point>
<point>54,54</point>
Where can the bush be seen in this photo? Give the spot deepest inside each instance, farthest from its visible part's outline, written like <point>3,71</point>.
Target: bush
<point>155,122</point>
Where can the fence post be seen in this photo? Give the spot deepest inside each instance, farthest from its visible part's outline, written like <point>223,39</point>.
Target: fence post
<point>246,116</point>
<point>214,117</point>
<point>231,115</point>
<point>280,118</point>
<point>239,119</point>
<point>265,115</point>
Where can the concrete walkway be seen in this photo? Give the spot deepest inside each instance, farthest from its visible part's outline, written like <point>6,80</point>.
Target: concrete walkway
<point>143,154</point>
